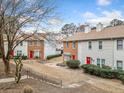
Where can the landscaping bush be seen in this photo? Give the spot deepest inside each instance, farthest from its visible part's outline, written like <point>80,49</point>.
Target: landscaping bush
<point>36,57</point>
<point>73,64</point>
<point>106,67</point>
<point>102,72</point>
<point>24,57</point>
<point>53,56</point>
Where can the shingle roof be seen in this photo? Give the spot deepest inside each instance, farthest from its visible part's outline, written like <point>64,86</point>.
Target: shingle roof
<point>106,33</point>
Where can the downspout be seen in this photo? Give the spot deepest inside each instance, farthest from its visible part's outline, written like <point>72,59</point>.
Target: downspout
<point>113,67</point>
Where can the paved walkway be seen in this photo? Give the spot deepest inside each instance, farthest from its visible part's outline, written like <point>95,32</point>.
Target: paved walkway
<point>6,80</point>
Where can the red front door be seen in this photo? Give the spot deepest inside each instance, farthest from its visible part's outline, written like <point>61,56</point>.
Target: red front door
<point>88,60</point>
<point>73,57</point>
<point>31,54</point>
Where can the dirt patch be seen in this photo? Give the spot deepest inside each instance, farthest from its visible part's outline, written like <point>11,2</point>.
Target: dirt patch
<point>41,87</point>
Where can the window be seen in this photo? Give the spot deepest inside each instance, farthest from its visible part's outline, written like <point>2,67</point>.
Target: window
<point>73,44</point>
<point>119,44</point>
<point>90,45</point>
<point>100,44</point>
<point>98,62</point>
<point>66,44</point>
<point>19,53</point>
<point>119,65</point>
<point>102,62</point>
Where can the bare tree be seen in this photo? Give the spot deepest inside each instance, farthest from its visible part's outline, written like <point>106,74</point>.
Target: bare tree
<point>69,29</point>
<point>116,22</point>
<point>18,14</point>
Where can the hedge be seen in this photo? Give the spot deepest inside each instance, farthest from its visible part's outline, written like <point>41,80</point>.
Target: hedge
<point>73,64</point>
<point>23,57</point>
<point>53,56</point>
<point>104,73</point>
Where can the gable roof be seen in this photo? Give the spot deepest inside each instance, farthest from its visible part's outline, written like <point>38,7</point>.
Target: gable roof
<point>106,33</point>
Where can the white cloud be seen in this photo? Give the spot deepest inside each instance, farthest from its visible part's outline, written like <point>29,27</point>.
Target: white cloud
<point>105,18</point>
<point>89,15</point>
<point>104,2</point>
<point>55,21</point>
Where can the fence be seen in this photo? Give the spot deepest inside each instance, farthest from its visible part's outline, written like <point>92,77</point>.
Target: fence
<point>44,77</point>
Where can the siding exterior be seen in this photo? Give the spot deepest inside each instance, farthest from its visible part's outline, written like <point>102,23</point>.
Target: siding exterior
<point>108,52</point>
<point>118,54</point>
<point>23,48</point>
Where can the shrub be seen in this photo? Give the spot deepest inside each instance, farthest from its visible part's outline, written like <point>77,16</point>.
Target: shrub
<point>102,72</point>
<point>106,67</point>
<point>24,57</point>
<point>36,57</point>
<point>73,64</point>
<point>28,89</point>
<point>53,56</point>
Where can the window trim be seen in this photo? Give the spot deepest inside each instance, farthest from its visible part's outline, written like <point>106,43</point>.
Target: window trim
<point>97,62</point>
<point>67,45</point>
<point>118,45</point>
<point>100,45</point>
<point>90,45</point>
<point>117,64</point>
<point>73,44</point>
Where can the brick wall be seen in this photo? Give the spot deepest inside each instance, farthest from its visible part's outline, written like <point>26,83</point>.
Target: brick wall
<point>34,47</point>
<point>70,49</point>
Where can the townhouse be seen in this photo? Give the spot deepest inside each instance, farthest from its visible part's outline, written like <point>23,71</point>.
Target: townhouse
<point>32,48</point>
<point>101,46</point>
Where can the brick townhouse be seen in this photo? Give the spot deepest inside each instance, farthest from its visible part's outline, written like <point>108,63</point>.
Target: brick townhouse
<point>32,47</point>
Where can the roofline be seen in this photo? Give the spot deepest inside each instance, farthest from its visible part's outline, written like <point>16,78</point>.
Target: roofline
<point>95,39</point>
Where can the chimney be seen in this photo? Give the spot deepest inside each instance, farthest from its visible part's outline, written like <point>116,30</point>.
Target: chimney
<point>99,27</point>
<point>87,29</point>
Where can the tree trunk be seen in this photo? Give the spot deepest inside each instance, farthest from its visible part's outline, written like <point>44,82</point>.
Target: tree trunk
<point>6,66</point>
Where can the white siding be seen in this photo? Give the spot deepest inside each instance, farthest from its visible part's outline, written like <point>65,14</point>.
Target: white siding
<point>23,48</point>
<point>105,53</point>
<point>50,49</point>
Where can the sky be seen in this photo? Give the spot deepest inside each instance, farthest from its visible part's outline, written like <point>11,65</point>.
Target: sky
<point>87,11</point>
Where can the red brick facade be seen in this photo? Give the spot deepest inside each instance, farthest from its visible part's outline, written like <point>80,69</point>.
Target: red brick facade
<point>70,49</point>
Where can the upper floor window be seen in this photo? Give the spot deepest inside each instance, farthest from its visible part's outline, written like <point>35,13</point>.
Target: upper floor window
<point>67,45</point>
<point>90,45</point>
<point>73,44</point>
<point>119,44</point>
<point>100,44</point>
